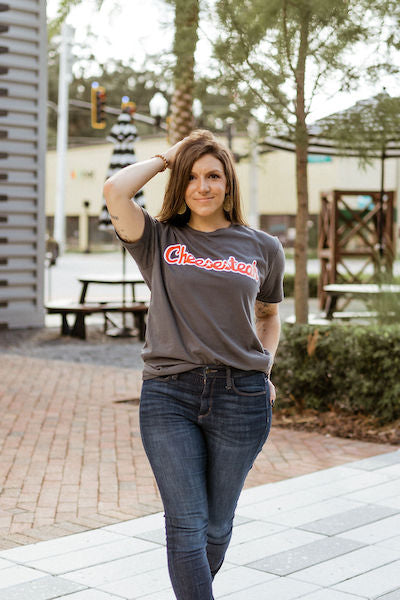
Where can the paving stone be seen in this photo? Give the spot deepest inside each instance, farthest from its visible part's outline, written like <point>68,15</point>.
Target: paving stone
<point>157,536</point>
<point>253,530</point>
<point>240,520</point>
<point>372,495</point>
<point>69,543</point>
<point>267,546</point>
<point>395,595</point>
<point>392,543</point>
<point>348,565</point>
<point>18,574</point>
<point>375,583</point>
<point>375,532</point>
<point>305,556</point>
<point>4,564</point>
<point>95,555</point>
<point>267,509</point>
<point>119,569</point>
<point>393,502</point>
<point>139,585</point>
<point>392,471</point>
<point>277,588</point>
<point>377,462</point>
<point>135,526</point>
<point>326,594</point>
<point>239,578</point>
<point>91,595</point>
<point>163,595</point>
<point>350,519</point>
<point>45,588</point>
<point>320,510</point>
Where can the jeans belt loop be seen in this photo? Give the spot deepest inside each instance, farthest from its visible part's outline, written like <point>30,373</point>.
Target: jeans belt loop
<point>228,378</point>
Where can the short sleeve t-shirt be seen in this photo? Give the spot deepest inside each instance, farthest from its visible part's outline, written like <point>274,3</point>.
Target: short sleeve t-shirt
<point>203,289</point>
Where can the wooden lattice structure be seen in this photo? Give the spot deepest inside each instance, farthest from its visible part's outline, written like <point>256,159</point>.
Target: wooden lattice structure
<point>353,224</point>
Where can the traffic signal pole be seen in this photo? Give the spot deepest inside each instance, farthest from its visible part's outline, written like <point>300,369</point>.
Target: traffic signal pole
<point>64,79</point>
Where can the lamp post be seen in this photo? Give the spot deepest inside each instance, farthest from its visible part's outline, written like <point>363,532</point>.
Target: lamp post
<point>64,80</point>
<point>158,108</point>
<point>197,109</point>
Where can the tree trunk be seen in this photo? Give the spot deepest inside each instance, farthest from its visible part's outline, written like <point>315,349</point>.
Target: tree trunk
<point>186,24</point>
<point>301,244</point>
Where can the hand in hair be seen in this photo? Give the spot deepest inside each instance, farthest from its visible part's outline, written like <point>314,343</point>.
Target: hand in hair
<point>171,153</point>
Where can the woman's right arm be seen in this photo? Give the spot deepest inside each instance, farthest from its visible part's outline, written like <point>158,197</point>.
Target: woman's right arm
<point>127,216</point>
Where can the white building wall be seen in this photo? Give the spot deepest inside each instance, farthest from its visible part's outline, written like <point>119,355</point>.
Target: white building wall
<point>23,85</point>
<point>87,167</point>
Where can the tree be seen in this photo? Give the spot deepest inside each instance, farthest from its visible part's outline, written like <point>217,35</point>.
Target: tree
<point>185,40</point>
<point>281,53</point>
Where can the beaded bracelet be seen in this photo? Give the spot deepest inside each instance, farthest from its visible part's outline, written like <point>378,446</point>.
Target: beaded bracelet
<point>164,159</point>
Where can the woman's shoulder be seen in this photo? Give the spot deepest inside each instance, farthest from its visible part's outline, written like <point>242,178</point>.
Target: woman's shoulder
<point>271,242</point>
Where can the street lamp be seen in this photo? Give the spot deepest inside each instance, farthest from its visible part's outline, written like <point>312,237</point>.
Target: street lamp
<point>197,108</point>
<point>158,108</point>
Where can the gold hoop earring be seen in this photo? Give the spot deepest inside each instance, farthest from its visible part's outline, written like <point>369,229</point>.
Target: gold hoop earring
<point>182,209</point>
<point>228,204</point>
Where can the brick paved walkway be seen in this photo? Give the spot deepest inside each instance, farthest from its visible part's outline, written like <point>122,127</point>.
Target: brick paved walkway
<point>71,458</point>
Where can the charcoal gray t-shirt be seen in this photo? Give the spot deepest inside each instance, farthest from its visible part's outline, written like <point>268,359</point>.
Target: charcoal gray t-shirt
<point>203,289</point>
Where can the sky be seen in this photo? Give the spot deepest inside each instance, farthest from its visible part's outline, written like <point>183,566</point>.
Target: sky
<point>143,27</point>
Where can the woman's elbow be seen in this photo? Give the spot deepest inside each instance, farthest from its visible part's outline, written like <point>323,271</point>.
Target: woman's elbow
<point>108,190</point>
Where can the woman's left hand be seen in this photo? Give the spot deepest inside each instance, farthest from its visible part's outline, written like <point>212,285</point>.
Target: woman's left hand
<point>272,392</point>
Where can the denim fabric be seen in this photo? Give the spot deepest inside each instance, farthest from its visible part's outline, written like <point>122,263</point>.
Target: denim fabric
<point>202,431</point>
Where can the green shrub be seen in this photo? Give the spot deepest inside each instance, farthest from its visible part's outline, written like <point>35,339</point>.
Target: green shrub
<point>288,285</point>
<point>345,367</point>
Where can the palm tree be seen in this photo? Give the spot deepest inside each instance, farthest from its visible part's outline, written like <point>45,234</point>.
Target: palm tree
<point>186,25</point>
<point>185,40</point>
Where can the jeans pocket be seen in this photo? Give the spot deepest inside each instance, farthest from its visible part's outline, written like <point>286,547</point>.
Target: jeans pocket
<point>163,378</point>
<point>249,385</point>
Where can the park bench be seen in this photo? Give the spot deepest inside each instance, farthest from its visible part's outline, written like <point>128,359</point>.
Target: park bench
<point>80,311</point>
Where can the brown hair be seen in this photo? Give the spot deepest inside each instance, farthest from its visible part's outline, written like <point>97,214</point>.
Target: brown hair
<point>196,145</point>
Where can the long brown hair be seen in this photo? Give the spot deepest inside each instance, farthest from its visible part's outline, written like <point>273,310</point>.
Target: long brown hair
<point>196,145</point>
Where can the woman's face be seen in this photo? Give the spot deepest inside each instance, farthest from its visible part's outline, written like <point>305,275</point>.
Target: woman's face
<point>206,189</point>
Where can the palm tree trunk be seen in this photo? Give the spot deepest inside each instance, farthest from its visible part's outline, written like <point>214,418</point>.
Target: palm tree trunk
<point>186,24</point>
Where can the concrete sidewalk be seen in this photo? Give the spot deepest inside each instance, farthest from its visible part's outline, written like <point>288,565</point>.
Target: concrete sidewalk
<point>329,535</point>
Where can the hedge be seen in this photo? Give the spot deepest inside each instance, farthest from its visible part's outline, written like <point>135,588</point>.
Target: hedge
<point>349,368</point>
<point>288,285</point>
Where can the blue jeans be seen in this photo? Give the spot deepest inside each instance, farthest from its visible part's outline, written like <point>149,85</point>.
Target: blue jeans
<point>202,431</point>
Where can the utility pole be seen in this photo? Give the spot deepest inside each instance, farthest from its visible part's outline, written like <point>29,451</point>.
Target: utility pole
<point>252,131</point>
<point>64,79</point>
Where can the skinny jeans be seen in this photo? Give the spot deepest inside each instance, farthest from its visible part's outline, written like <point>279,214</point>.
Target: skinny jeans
<point>202,430</point>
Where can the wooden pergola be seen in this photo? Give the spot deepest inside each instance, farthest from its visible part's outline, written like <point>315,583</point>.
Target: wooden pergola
<point>346,231</point>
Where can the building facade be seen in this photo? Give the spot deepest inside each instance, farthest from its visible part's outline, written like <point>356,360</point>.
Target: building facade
<point>23,94</point>
<point>276,196</point>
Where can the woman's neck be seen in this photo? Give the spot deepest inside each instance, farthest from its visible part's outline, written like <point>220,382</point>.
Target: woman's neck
<point>208,225</point>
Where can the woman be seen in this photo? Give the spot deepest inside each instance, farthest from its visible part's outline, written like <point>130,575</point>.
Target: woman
<point>205,408</point>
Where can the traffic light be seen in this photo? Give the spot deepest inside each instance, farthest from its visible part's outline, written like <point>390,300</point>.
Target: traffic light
<point>98,102</point>
<point>128,106</point>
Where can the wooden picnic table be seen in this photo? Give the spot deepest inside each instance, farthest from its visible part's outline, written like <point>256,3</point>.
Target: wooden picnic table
<point>83,308</point>
<point>360,291</point>
<point>108,280</point>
